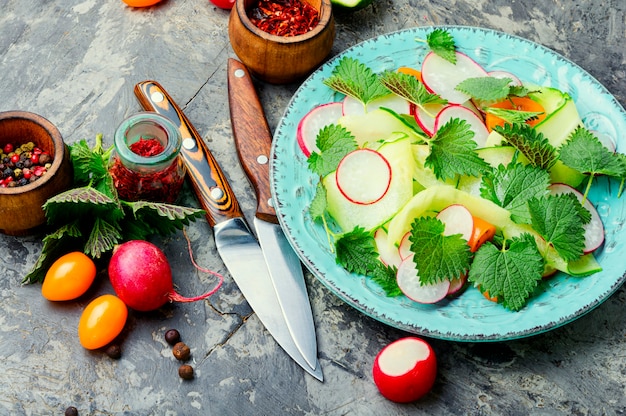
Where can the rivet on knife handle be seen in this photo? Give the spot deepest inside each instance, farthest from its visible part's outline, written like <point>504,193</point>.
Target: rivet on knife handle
<point>211,186</point>
<point>252,142</point>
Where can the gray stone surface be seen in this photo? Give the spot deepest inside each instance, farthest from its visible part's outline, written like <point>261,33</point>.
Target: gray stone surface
<point>76,62</point>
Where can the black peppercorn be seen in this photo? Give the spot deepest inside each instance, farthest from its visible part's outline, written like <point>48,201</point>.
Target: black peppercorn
<point>185,372</point>
<point>172,336</point>
<point>113,351</point>
<point>181,351</point>
<point>71,411</point>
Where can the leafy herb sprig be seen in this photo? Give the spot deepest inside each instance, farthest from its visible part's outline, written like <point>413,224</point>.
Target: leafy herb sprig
<point>92,218</point>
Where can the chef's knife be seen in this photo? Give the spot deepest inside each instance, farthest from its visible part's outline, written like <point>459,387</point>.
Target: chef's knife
<point>253,140</point>
<point>237,246</point>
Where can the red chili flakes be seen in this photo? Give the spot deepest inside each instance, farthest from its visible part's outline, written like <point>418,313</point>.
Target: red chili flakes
<point>284,17</point>
<point>146,147</point>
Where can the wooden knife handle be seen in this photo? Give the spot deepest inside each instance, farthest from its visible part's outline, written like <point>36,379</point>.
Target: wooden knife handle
<point>208,180</point>
<point>253,138</point>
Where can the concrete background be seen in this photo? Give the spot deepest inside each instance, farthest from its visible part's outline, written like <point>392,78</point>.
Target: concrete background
<point>76,62</point>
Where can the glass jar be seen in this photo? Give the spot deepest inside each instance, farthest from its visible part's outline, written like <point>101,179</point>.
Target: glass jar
<point>145,163</point>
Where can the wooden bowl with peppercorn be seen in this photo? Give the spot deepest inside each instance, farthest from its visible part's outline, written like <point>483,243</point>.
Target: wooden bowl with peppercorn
<point>281,41</point>
<point>34,166</point>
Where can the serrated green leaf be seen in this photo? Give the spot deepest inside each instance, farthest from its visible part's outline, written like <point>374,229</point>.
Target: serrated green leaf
<point>104,236</point>
<point>352,77</point>
<point>317,209</point>
<point>409,88</point>
<point>510,274</point>
<point>452,151</point>
<point>557,219</point>
<point>437,256</point>
<point>487,88</point>
<point>513,185</point>
<point>442,43</point>
<point>333,142</point>
<point>154,214</point>
<point>512,116</point>
<point>530,143</point>
<point>585,153</point>
<point>85,202</point>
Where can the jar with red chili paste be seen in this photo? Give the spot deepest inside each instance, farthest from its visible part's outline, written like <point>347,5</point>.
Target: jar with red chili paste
<point>145,164</point>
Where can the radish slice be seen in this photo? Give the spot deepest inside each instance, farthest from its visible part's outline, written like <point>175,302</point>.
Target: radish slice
<point>386,252</point>
<point>476,123</point>
<point>363,176</point>
<point>311,124</point>
<point>457,220</point>
<point>352,106</point>
<point>404,250</point>
<point>594,229</point>
<point>456,285</point>
<point>425,117</point>
<point>441,77</point>
<point>505,74</point>
<point>409,283</point>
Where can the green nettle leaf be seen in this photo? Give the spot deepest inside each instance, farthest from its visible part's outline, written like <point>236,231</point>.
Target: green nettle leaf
<point>334,142</point>
<point>452,151</point>
<point>104,236</point>
<point>442,43</point>
<point>353,78</point>
<point>558,220</point>
<point>153,215</point>
<point>511,274</point>
<point>486,88</point>
<point>409,88</point>
<point>437,256</point>
<point>513,185</point>
<point>530,143</point>
<point>512,116</point>
<point>317,209</point>
<point>84,202</point>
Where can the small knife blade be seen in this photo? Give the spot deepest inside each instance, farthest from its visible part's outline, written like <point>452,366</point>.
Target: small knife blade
<point>253,140</point>
<point>237,246</point>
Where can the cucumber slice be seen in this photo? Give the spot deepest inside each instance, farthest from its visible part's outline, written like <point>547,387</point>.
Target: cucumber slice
<point>375,126</point>
<point>586,265</point>
<point>344,6</point>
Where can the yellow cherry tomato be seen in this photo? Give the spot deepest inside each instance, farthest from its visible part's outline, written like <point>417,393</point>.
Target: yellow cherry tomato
<point>102,320</point>
<point>69,277</point>
<point>141,3</point>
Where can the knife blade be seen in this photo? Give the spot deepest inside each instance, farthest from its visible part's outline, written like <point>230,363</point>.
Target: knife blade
<point>253,141</point>
<point>236,245</point>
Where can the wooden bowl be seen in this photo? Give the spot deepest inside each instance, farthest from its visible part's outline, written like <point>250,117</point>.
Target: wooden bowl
<point>21,210</point>
<point>281,59</point>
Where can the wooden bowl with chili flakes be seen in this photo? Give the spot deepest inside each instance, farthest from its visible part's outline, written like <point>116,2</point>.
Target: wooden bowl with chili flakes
<point>281,41</point>
<point>47,172</point>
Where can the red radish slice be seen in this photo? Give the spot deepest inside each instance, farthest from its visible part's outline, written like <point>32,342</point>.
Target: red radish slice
<point>476,123</point>
<point>409,283</point>
<point>363,176</point>
<point>594,229</point>
<point>404,250</point>
<point>315,120</point>
<point>505,74</point>
<point>457,220</point>
<point>441,77</point>
<point>425,117</point>
<point>352,106</point>
<point>386,252</point>
<point>456,285</point>
<point>405,370</point>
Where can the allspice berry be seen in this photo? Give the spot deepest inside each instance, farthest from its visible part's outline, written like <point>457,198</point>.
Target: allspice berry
<point>185,372</point>
<point>172,336</point>
<point>181,351</point>
<point>113,351</point>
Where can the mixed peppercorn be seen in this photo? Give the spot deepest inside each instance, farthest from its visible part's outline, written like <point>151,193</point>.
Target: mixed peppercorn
<point>21,165</point>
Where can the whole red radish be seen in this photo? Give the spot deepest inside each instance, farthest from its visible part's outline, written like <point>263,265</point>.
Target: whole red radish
<point>141,276</point>
<point>405,370</point>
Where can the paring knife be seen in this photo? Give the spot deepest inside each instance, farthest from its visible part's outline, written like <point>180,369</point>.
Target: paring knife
<point>253,140</point>
<point>237,246</point>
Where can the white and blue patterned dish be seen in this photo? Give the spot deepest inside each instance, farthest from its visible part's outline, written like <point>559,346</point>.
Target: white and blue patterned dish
<point>469,317</point>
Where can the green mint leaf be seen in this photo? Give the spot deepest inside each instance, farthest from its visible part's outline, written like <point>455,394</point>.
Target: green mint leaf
<point>334,142</point>
<point>55,244</point>
<point>530,143</point>
<point>452,151</point>
<point>486,88</point>
<point>104,236</point>
<point>437,256</point>
<point>442,43</point>
<point>163,218</point>
<point>585,153</point>
<point>317,209</point>
<point>409,88</point>
<point>557,219</point>
<point>511,274</point>
<point>512,116</point>
<point>512,186</point>
<point>353,78</point>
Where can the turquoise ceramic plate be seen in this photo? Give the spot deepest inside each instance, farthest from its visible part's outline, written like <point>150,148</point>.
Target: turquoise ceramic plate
<point>469,317</point>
